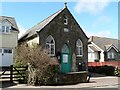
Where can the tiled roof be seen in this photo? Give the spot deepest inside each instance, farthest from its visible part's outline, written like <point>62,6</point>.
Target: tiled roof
<point>108,46</point>
<point>11,20</point>
<point>93,48</point>
<point>32,31</point>
<point>103,42</point>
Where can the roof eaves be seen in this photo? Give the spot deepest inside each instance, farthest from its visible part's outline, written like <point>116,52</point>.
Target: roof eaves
<point>49,19</point>
<point>10,20</point>
<point>112,46</point>
<point>97,46</point>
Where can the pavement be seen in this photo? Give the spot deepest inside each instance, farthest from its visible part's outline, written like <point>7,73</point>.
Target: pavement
<point>95,82</point>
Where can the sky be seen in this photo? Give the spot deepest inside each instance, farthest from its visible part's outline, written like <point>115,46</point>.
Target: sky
<point>95,18</point>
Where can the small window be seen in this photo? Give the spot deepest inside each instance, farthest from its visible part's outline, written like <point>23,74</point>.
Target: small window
<point>7,50</point>
<point>111,55</point>
<point>66,30</point>
<point>65,20</point>
<point>5,29</point>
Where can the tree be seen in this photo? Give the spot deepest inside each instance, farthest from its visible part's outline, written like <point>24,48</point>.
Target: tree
<point>41,67</point>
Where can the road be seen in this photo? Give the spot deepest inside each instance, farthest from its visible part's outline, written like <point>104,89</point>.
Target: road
<point>102,83</point>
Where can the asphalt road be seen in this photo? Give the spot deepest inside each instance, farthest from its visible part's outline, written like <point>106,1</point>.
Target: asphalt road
<point>96,83</point>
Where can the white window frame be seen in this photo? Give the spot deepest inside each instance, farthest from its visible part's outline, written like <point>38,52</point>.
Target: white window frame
<point>50,45</point>
<point>80,47</point>
<point>7,51</point>
<point>110,55</point>
<point>5,30</point>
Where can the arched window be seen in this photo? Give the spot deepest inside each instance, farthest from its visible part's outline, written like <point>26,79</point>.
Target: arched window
<point>79,48</point>
<point>50,43</point>
<point>65,49</point>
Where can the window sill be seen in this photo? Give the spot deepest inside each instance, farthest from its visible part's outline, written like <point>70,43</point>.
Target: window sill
<point>79,55</point>
<point>65,23</point>
<point>51,55</point>
<point>94,58</point>
<point>5,33</point>
<point>110,58</point>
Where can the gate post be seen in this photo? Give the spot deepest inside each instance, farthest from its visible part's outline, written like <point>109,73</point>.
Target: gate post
<point>11,73</point>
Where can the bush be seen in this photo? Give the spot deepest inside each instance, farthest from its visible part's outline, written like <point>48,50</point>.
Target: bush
<point>106,70</point>
<point>117,71</point>
<point>41,67</point>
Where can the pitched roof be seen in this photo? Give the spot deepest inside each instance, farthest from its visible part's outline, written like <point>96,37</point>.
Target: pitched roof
<point>11,20</point>
<point>40,26</point>
<point>93,48</point>
<point>108,46</point>
<point>103,42</point>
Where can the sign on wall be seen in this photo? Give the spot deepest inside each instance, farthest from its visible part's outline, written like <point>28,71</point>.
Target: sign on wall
<point>65,58</point>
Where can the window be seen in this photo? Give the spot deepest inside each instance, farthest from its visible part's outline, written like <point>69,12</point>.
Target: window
<point>7,50</point>
<point>111,55</point>
<point>65,20</point>
<point>79,48</point>
<point>5,29</point>
<point>66,30</point>
<point>93,55</point>
<point>65,49</point>
<point>50,44</point>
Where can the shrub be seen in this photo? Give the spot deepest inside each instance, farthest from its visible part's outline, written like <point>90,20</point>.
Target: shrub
<point>41,67</point>
<point>117,71</point>
<point>106,70</point>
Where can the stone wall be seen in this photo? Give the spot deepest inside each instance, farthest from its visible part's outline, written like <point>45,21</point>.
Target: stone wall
<point>73,78</point>
<point>56,29</point>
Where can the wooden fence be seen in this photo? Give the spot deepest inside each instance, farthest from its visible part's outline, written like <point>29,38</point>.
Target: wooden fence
<point>14,73</point>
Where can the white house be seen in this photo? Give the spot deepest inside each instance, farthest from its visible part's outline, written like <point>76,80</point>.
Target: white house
<point>8,39</point>
<point>101,49</point>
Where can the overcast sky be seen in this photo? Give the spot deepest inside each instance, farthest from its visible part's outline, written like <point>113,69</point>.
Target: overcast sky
<point>95,18</point>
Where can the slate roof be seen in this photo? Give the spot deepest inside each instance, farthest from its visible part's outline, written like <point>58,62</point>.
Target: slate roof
<point>11,20</point>
<point>32,31</point>
<point>108,46</point>
<point>103,42</point>
<point>93,48</point>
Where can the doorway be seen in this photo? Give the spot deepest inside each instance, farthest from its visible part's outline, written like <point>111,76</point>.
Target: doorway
<point>65,59</point>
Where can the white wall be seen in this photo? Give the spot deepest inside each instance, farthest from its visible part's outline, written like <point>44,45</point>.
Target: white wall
<point>8,40</point>
<point>33,41</point>
<point>102,57</point>
<point>92,56</point>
